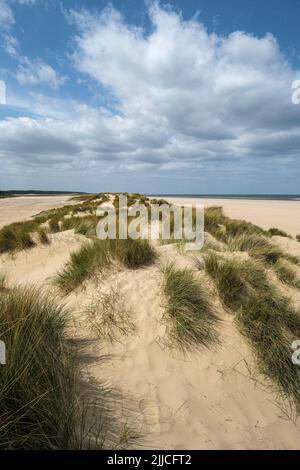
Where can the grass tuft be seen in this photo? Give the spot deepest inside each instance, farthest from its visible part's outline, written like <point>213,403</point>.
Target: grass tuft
<point>82,265</point>
<point>235,278</point>
<point>276,232</point>
<point>37,383</point>
<point>258,246</point>
<point>96,255</point>
<point>15,237</point>
<point>43,236</point>
<point>188,307</point>
<point>134,253</point>
<point>222,227</point>
<point>54,226</point>
<point>2,282</point>
<point>109,316</point>
<point>267,330</point>
<point>263,315</point>
<point>286,273</point>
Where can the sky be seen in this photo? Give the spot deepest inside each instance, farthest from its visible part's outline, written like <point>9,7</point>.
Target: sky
<point>183,97</point>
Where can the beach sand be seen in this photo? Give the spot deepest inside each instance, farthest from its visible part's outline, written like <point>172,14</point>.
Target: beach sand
<point>284,215</point>
<point>205,399</point>
<point>23,207</point>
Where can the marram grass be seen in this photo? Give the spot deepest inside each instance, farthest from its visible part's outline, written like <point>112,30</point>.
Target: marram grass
<point>37,383</point>
<point>286,273</point>
<point>98,254</point>
<point>188,309</point>
<point>266,317</point>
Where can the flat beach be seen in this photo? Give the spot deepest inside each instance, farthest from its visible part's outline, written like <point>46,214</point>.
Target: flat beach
<point>284,215</point>
<point>17,209</point>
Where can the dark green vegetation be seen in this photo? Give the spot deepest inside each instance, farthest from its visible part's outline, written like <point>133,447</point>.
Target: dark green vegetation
<point>276,232</point>
<point>17,236</point>
<point>2,282</point>
<point>28,192</point>
<point>189,309</point>
<point>267,318</point>
<point>298,238</point>
<point>4,195</point>
<point>98,254</point>
<point>37,385</point>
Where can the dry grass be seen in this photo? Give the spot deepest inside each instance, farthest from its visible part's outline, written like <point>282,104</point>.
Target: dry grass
<point>109,316</point>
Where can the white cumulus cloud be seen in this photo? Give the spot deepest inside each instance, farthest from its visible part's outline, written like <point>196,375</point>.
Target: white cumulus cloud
<point>186,102</point>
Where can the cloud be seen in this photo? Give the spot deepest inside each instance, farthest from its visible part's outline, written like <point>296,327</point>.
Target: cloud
<point>7,18</point>
<point>27,2</point>
<point>34,72</point>
<point>29,71</point>
<point>6,15</point>
<point>2,92</point>
<point>11,45</point>
<point>185,102</point>
<point>7,21</point>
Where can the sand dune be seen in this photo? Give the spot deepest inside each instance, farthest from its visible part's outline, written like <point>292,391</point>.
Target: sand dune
<point>205,399</point>
<point>210,399</point>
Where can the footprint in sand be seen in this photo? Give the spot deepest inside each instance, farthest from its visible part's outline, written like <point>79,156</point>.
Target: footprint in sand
<point>150,414</point>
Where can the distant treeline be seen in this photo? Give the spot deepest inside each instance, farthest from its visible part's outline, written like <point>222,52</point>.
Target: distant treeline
<point>13,193</point>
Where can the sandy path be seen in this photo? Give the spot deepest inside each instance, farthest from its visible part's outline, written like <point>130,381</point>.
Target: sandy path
<point>284,215</point>
<point>23,207</point>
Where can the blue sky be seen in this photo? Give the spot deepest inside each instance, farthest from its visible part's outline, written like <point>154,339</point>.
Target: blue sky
<point>180,97</point>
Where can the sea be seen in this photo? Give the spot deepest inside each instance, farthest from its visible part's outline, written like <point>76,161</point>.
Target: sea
<point>268,197</point>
